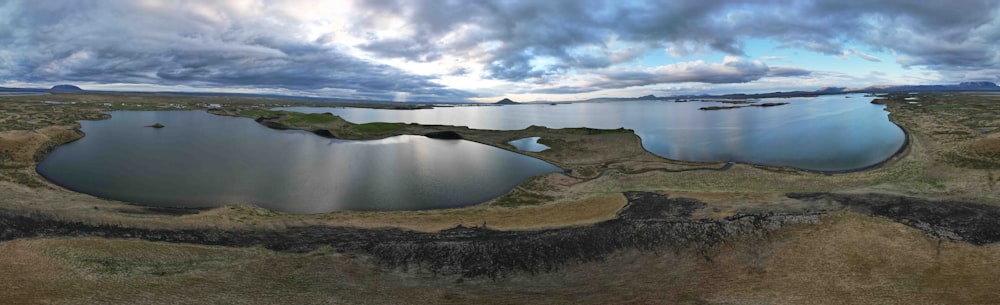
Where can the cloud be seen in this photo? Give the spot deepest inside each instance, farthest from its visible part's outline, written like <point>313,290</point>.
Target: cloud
<point>522,31</point>
<point>785,71</point>
<point>732,70</point>
<point>844,55</point>
<point>866,56</point>
<point>565,90</point>
<point>379,49</point>
<point>931,33</point>
<point>126,42</point>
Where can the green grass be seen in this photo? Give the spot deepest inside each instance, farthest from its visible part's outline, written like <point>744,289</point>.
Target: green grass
<point>153,107</point>
<point>310,118</point>
<point>379,127</point>
<point>971,162</point>
<point>941,107</point>
<point>258,113</point>
<point>591,131</point>
<point>522,199</point>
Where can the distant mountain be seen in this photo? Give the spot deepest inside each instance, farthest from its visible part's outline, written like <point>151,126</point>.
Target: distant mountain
<point>833,90</point>
<point>506,101</point>
<point>6,89</point>
<point>965,86</point>
<point>625,99</point>
<point>982,85</point>
<point>65,88</point>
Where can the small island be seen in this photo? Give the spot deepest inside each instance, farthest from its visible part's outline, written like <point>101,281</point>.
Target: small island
<point>734,107</point>
<point>769,104</point>
<point>157,125</point>
<point>719,107</point>
<point>506,101</point>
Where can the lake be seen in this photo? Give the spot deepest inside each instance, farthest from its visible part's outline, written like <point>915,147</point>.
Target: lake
<point>826,133</point>
<point>203,160</point>
<point>529,144</point>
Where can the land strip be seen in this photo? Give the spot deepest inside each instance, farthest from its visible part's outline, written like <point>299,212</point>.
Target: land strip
<point>583,152</point>
<point>648,221</point>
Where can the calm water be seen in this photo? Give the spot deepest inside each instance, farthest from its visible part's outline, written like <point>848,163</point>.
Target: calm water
<point>829,133</point>
<point>202,160</point>
<point>529,144</point>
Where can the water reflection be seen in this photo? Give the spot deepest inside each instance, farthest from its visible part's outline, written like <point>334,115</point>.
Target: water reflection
<point>828,133</point>
<point>203,160</point>
<point>529,144</point>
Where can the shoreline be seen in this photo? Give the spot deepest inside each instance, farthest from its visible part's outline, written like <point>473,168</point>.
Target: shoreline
<point>564,171</point>
<point>903,147</point>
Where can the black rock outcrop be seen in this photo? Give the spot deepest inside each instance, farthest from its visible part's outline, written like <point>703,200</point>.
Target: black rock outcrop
<point>444,135</point>
<point>648,221</point>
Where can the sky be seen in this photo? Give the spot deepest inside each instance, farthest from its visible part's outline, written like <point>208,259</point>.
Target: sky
<point>475,50</point>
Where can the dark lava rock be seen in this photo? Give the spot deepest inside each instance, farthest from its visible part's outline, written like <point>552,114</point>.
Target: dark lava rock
<point>65,88</point>
<point>649,221</point>
<point>271,122</point>
<point>959,221</point>
<point>161,211</point>
<point>646,205</point>
<point>444,135</point>
<point>323,133</point>
<point>157,125</point>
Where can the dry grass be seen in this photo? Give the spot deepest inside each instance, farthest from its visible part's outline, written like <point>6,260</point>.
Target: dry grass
<point>986,146</point>
<point>23,146</point>
<point>854,259</point>
<point>578,210</point>
<point>849,259</point>
<point>559,214</point>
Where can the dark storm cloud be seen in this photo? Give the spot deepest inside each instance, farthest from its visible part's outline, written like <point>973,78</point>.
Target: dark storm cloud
<point>942,35</point>
<point>528,30</point>
<point>535,43</point>
<point>782,71</point>
<point>732,70</point>
<point>119,42</point>
<point>566,90</point>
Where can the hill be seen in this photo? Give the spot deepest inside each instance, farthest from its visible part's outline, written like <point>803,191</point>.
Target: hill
<point>506,101</point>
<point>65,88</point>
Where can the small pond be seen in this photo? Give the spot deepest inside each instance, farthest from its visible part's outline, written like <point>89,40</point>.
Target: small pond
<point>529,144</point>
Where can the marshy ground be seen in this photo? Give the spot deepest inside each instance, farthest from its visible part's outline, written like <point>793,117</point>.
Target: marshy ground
<point>625,226</point>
